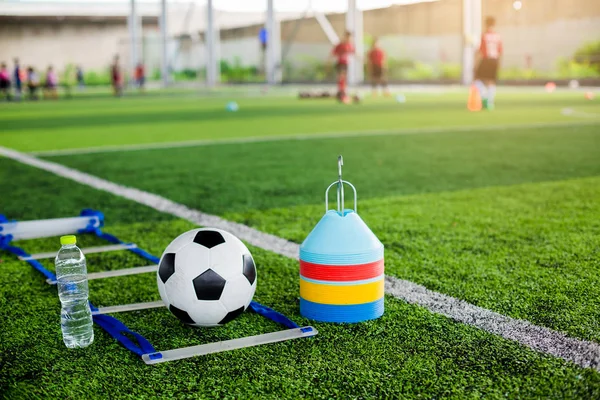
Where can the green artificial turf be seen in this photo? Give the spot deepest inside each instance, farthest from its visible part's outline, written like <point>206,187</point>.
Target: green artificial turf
<point>407,353</point>
<point>249,176</point>
<point>504,219</point>
<point>176,117</point>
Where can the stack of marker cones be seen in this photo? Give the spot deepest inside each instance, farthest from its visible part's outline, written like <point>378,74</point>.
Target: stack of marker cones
<point>341,267</point>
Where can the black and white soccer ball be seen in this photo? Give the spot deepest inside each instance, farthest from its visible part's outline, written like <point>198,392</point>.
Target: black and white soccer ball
<point>206,277</point>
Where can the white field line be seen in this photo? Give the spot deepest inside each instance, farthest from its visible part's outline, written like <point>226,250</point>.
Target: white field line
<point>583,353</point>
<point>313,136</point>
<point>569,112</point>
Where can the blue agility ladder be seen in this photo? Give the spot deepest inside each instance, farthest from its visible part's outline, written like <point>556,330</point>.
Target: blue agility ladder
<point>90,222</point>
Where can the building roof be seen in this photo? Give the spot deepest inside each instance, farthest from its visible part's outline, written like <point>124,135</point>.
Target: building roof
<point>184,16</point>
<point>178,12</point>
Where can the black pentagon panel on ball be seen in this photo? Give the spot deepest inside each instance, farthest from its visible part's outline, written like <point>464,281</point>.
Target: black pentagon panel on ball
<point>209,239</point>
<point>231,316</point>
<point>182,315</point>
<point>166,267</point>
<point>249,268</point>
<point>209,285</point>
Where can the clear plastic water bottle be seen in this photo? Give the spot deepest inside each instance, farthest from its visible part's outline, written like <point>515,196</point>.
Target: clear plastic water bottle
<point>76,316</point>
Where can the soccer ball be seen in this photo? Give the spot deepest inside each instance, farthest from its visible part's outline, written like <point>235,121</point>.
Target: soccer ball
<point>400,98</point>
<point>232,106</point>
<point>574,84</point>
<point>206,277</point>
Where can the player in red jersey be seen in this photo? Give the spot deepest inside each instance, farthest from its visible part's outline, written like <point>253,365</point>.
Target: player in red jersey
<point>342,53</point>
<point>488,61</point>
<point>116,77</point>
<point>140,76</point>
<point>376,67</point>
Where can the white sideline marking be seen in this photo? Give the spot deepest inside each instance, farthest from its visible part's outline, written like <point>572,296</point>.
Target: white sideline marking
<point>581,352</point>
<point>569,112</point>
<point>252,236</point>
<point>313,136</point>
<point>586,354</point>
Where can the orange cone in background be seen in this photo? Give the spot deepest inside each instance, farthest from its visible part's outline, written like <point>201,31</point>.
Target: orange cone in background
<point>550,87</point>
<point>474,103</point>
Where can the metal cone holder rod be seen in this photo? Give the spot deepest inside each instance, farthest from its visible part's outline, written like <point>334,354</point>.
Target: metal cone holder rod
<point>341,265</point>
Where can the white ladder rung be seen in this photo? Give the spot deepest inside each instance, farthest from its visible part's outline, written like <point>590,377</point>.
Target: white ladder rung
<point>88,250</point>
<point>128,307</point>
<point>217,347</point>
<point>117,272</point>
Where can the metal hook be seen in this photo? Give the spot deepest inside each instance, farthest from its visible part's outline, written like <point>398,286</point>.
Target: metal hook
<point>335,184</point>
<point>340,190</point>
<point>340,199</point>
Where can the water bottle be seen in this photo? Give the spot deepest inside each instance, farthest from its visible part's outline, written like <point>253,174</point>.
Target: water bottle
<point>71,274</point>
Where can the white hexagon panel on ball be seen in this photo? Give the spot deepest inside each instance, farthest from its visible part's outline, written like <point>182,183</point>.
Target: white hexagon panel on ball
<point>206,277</point>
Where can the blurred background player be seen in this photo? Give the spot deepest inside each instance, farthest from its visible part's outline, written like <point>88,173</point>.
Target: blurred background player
<point>376,68</point>
<point>140,76</point>
<point>116,77</point>
<point>18,80</point>
<point>50,89</point>
<point>262,38</point>
<point>33,82</point>
<point>4,81</point>
<point>342,53</point>
<point>488,61</point>
<point>80,78</point>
